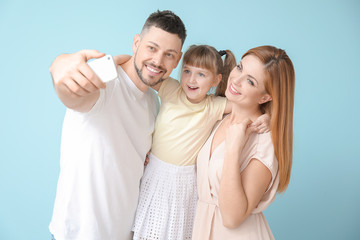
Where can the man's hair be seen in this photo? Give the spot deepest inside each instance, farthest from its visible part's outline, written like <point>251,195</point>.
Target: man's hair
<point>167,21</point>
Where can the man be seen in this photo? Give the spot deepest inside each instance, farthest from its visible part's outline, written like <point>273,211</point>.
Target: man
<point>107,132</point>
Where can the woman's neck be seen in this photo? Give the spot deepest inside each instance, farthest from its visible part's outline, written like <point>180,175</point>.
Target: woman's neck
<point>239,113</point>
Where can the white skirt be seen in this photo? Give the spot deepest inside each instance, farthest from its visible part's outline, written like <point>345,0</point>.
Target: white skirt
<point>167,202</point>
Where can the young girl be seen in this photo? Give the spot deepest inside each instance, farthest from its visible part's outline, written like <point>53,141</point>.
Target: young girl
<point>168,192</point>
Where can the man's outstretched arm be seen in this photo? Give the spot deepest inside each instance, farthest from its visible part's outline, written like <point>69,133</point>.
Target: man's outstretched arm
<point>75,83</point>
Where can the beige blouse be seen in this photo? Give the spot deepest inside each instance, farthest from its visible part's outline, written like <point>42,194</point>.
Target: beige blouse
<point>208,222</point>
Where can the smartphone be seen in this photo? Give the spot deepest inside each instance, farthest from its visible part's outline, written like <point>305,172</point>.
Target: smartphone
<point>104,68</point>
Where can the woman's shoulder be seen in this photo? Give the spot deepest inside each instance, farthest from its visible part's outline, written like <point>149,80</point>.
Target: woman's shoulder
<point>263,150</point>
<point>264,139</point>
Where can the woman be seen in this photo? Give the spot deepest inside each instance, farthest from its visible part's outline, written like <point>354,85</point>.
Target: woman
<point>239,172</point>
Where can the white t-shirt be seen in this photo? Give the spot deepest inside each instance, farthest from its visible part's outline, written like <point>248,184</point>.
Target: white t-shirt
<point>102,161</point>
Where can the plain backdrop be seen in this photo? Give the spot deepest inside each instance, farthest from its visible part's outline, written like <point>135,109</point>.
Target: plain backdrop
<point>321,37</point>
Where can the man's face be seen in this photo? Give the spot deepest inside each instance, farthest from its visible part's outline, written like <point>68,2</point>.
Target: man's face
<point>157,53</point>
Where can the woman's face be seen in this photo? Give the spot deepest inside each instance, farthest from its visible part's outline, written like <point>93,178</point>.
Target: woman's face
<point>246,83</point>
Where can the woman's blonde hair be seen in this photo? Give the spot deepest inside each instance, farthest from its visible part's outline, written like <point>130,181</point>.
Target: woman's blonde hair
<point>280,85</point>
<point>205,56</point>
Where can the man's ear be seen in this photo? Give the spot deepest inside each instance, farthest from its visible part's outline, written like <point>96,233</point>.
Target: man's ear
<point>136,42</point>
<point>265,98</point>
<point>178,60</point>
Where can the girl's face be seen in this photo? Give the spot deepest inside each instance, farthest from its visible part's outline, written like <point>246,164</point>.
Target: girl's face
<point>246,83</point>
<point>196,82</point>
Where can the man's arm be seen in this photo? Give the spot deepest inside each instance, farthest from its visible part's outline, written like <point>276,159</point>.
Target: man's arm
<point>76,85</point>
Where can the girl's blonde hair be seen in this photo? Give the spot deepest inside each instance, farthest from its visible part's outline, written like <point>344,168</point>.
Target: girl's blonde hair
<point>205,56</point>
<point>280,85</point>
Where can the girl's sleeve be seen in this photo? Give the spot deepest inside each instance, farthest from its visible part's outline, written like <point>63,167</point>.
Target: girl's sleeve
<point>217,106</point>
<point>168,87</point>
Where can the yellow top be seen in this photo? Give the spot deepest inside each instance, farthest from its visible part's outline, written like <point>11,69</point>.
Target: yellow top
<point>182,127</point>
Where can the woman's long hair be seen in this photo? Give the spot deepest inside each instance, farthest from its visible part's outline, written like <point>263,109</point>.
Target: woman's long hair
<point>280,85</point>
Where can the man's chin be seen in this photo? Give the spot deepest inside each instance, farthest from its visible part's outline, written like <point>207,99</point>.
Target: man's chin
<point>152,83</point>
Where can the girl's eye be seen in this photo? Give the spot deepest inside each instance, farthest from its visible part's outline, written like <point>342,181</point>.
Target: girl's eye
<point>239,67</point>
<point>186,71</point>
<point>151,48</point>
<point>201,75</point>
<point>251,82</point>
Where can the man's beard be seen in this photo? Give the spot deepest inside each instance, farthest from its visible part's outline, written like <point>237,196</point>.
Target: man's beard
<point>146,82</point>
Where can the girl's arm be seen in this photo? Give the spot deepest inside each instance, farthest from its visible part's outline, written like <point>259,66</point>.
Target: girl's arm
<point>240,192</point>
<point>228,107</point>
<point>261,124</point>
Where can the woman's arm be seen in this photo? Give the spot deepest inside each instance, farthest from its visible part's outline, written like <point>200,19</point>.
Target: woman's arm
<point>240,192</point>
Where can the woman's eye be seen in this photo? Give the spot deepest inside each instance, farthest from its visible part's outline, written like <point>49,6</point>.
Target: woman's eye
<point>239,67</point>
<point>251,82</point>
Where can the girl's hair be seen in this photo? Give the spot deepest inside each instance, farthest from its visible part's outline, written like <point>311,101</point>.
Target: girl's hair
<point>280,85</point>
<point>205,56</point>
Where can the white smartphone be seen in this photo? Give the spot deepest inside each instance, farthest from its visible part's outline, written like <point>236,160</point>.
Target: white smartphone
<point>104,67</point>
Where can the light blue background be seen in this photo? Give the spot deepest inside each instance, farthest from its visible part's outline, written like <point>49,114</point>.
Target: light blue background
<point>321,37</point>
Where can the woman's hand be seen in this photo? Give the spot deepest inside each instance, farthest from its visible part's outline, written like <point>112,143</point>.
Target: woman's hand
<point>120,59</point>
<point>237,134</point>
<point>261,124</point>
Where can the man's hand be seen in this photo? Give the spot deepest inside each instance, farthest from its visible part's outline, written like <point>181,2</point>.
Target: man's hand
<point>74,81</point>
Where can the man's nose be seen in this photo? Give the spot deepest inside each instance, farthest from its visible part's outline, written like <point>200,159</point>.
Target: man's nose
<point>158,59</point>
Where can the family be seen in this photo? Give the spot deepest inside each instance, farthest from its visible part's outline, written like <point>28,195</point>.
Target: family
<point>214,161</point>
